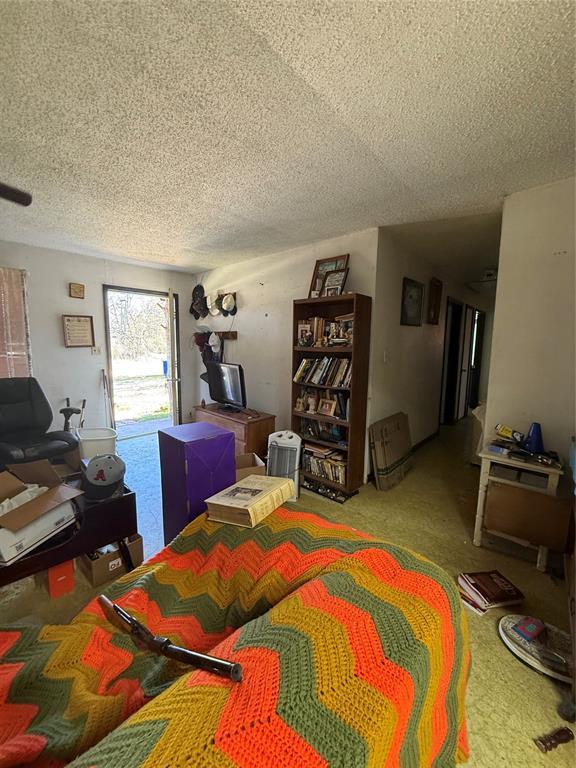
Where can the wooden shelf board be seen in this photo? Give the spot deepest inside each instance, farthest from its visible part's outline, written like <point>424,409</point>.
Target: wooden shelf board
<point>341,349</point>
<point>320,386</point>
<point>325,443</point>
<point>318,479</point>
<point>316,417</point>
<point>327,299</point>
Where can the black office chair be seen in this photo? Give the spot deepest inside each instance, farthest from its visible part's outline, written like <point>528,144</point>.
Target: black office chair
<point>25,416</point>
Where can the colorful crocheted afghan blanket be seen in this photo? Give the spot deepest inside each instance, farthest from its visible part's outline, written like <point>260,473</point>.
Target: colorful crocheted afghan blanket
<point>354,653</point>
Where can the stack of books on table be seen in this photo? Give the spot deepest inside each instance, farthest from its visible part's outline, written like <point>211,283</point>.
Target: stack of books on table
<point>483,590</point>
<point>324,462</point>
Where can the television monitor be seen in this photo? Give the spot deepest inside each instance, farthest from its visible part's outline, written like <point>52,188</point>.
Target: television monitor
<point>226,384</point>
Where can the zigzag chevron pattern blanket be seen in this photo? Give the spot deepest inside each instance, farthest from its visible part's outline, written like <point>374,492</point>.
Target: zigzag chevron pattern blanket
<point>354,654</point>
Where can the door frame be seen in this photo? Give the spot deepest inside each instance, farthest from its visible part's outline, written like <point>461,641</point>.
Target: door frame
<point>164,294</point>
<point>453,418</point>
<point>446,361</point>
<point>463,397</point>
<point>476,371</point>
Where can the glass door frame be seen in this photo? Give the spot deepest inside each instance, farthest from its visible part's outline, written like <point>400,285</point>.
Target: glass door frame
<point>174,345</point>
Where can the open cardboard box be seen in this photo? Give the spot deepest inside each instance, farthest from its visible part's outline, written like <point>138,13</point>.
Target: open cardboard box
<point>248,464</point>
<point>107,563</point>
<point>30,524</point>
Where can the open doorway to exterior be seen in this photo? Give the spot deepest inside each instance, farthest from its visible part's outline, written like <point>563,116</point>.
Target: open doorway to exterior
<point>463,343</point>
<point>143,366</point>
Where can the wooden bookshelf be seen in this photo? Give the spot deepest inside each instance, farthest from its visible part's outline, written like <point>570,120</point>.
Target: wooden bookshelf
<point>354,427</point>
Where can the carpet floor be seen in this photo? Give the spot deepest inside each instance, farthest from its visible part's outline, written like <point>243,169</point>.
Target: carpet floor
<point>431,511</point>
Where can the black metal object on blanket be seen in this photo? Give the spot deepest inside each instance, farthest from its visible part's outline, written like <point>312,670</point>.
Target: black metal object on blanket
<point>163,645</point>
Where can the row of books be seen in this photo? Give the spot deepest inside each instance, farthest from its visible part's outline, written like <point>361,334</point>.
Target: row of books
<point>330,433</point>
<point>324,462</point>
<point>326,371</point>
<point>483,590</point>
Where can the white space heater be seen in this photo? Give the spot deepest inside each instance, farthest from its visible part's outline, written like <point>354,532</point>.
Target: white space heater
<point>284,450</point>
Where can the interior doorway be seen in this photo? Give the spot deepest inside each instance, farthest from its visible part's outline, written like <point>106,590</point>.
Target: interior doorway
<point>463,343</point>
<point>143,362</point>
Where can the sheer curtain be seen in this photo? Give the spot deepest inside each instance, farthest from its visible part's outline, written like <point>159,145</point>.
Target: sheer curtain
<point>15,357</point>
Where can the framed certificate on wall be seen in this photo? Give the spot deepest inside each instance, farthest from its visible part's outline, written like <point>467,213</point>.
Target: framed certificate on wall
<point>78,330</point>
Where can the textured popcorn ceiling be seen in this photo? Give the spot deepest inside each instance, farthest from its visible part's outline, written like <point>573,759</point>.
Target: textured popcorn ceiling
<point>199,133</point>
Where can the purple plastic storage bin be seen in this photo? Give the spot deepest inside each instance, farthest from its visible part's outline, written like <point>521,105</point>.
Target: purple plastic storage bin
<point>196,461</point>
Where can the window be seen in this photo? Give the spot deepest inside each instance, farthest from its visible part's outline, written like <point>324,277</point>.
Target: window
<point>14,332</point>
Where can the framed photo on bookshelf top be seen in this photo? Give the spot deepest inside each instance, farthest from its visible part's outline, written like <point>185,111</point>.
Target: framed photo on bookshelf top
<point>322,267</point>
<point>333,283</point>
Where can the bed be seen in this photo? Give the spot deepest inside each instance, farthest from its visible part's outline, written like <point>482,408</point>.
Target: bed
<point>354,653</point>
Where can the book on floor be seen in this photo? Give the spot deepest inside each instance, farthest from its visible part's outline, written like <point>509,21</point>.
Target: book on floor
<point>470,604</point>
<point>489,589</point>
<point>251,500</point>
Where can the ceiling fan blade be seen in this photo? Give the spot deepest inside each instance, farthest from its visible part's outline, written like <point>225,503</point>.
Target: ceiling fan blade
<point>15,195</point>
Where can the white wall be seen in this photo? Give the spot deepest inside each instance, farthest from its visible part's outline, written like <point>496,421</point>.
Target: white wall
<point>407,360</point>
<point>76,373</point>
<point>266,288</point>
<point>532,367</point>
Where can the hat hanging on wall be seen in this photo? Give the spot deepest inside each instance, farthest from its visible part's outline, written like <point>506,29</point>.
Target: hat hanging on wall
<point>198,308</point>
<point>229,304</point>
<point>212,303</point>
<point>216,344</point>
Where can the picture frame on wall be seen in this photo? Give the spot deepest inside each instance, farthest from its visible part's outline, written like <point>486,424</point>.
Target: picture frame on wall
<point>412,300</point>
<point>322,267</point>
<point>78,330</point>
<point>434,301</point>
<point>333,283</point>
<point>76,290</point>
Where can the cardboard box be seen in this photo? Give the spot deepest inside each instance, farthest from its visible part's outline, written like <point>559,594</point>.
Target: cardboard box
<point>109,565</point>
<point>531,516</point>
<point>391,450</point>
<point>30,524</point>
<point>249,464</point>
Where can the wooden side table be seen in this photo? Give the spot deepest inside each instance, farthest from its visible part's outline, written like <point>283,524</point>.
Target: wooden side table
<point>251,428</point>
<point>505,471</point>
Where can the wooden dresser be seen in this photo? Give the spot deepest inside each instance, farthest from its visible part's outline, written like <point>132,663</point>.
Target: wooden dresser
<point>251,428</point>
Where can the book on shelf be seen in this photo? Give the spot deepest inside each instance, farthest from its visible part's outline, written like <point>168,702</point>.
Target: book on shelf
<point>251,500</point>
<point>325,463</point>
<point>489,589</point>
<point>324,371</point>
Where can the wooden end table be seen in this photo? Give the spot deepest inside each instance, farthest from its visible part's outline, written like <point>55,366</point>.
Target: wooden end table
<point>489,473</point>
